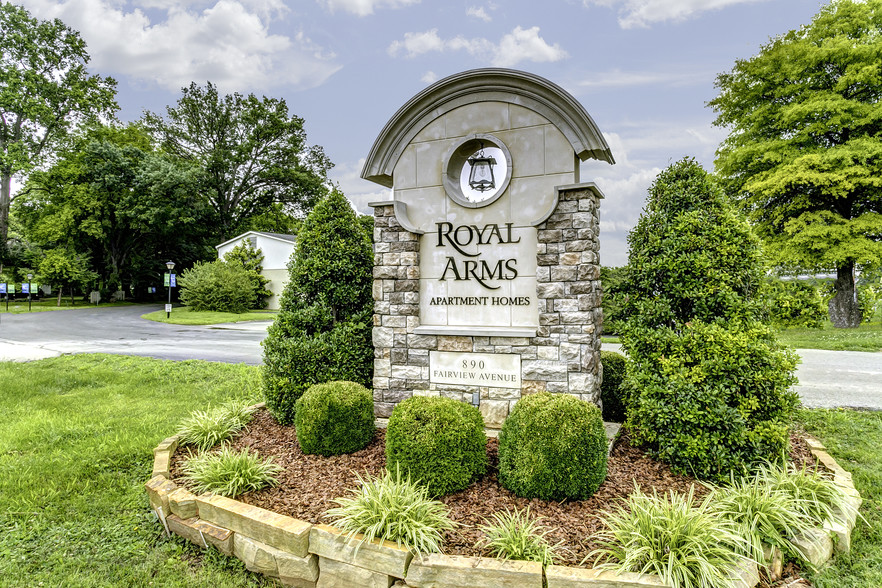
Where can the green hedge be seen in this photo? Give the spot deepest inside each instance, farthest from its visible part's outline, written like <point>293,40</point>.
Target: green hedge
<point>553,447</point>
<point>611,393</point>
<point>217,286</point>
<point>437,441</point>
<point>335,418</point>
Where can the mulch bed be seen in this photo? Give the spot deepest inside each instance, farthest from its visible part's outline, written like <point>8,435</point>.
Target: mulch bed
<point>310,483</point>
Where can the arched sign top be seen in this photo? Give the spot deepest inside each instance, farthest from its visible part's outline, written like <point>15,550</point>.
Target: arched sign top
<point>484,85</point>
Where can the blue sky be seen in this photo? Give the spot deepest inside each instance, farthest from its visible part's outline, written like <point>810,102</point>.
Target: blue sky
<point>643,69</point>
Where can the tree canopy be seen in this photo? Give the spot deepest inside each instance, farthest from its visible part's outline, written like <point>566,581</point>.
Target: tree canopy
<point>112,197</point>
<point>252,153</point>
<point>804,153</point>
<point>45,90</point>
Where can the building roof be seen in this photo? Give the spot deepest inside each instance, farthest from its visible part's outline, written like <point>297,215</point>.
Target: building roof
<point>277,236</point>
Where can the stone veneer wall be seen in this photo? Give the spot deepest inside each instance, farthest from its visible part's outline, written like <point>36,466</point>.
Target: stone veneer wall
<point>304,555</point>
<point>563,357</point>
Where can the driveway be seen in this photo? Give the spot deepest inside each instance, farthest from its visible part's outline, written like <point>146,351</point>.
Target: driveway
<point>121,330</point>
<point>829,379</point>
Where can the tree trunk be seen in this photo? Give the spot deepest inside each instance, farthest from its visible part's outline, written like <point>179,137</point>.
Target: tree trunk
<point>5,200</point>
<point>59,296</point>
<point>844,310</point>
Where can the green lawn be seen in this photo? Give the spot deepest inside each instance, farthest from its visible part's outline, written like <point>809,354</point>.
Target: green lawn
<point>75,450</point>
<point>19,306</point>
<point>185,316</point>
<point>867,337</point>
<point>854,438</point>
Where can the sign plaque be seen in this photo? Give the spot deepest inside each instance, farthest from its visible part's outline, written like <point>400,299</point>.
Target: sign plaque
<point>494,370</point>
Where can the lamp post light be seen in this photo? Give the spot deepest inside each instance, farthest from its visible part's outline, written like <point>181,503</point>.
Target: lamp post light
<point>481,176</point>
<point>170,265</point>
<point>29,291</point>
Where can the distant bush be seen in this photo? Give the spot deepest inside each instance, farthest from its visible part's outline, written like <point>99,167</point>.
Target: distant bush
<point>216,286</point>
<point>439,442</point>
<point>251,259</point>
<point>323,330</point>
<point>611,279</point>
<point>611,388</point>
<point>335,418</point>
<point>794,303</point>
<point>553,447</point>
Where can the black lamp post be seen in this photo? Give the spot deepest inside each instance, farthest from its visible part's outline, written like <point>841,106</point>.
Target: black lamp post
<point>481,174</point>
<point>170,265</point>
<point>29,291</point>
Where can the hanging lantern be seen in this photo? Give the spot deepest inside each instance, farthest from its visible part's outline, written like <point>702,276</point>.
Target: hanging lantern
<point>481,175</point>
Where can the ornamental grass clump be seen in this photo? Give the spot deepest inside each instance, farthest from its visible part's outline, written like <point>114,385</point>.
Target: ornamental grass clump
<point>518,535</point>
<point>230,473</point>
<point>671,536</point>
<point>395,509</point>
<point>334,418</point>
<point>814,494</point>
<point>763,513</point>
<point>207,428</point>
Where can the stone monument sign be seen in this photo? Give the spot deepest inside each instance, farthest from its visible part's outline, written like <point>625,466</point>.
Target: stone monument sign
<point>486,268</point>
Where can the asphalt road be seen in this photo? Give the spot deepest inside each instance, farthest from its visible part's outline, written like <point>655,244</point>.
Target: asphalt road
<point>121,330</point>
<point>826,378</point>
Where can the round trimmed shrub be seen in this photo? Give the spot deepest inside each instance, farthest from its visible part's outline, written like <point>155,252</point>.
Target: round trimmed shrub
<point>552,447</point>
<point>438,441</point>
<point>610,388</point>
<point>334,418</point>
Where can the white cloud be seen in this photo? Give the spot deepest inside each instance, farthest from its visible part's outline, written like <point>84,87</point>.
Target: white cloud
<point>514,47</point>
<point>364,7</point>
<point>429,77</point>
<point>479,13</point>
<point>642,13</point>
<point>228,43</point>
<point>621,79</point>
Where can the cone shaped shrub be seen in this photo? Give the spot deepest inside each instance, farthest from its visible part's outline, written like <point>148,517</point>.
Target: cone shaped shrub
<point>552,447</point>
<point>335,418</point>
<point>439,442</point>
<point>708,384</point>
<point>323,330</point>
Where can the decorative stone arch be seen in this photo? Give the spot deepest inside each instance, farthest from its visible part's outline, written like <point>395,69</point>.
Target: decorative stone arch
<point>483,85</point>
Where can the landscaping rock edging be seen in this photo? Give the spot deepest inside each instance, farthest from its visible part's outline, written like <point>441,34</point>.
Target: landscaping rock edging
<point>304,555</point>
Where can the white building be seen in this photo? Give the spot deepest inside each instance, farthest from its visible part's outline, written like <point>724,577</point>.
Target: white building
<point>277,250</point>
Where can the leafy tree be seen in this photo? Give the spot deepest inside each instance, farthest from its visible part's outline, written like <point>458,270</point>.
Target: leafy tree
<point>804,154</point>
<point>323,330</point>
<point>251,152</point>
<point>112,196</point>
<point>64,268</point>
<point>45,90</point>
<point>708,383</point>
<point>251,259</point>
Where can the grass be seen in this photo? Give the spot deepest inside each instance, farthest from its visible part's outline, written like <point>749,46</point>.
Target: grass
<point>184,316</point>
<point>867,337</point>
<point>21,305</point>
<point>854,438</point>
<point>75,450</point>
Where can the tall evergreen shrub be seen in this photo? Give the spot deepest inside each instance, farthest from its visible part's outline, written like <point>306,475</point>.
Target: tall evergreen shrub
<point>709,384</point>
<point>323,330</point>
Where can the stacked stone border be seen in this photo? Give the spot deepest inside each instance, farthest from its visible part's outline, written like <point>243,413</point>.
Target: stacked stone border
<point>304,555</point>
